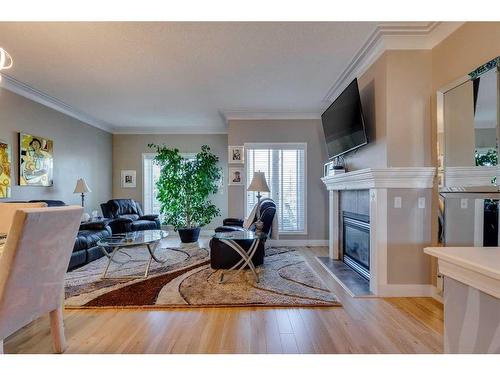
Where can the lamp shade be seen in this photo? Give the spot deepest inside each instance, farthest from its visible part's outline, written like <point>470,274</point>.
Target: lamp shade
<point>258,182</point>
<point>82,187</point>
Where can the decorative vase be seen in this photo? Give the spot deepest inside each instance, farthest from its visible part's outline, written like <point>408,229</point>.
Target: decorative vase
<point>188,235</point>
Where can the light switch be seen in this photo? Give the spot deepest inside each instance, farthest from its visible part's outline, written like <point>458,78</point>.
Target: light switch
<point>397,202</point>
<point>421,202</point>
<point>464,203</point>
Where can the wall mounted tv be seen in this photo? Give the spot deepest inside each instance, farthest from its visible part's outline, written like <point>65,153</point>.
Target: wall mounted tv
<point>343,123</point>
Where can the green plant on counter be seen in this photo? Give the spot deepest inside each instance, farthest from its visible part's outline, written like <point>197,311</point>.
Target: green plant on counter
<point>488,159</point>
<point>185,185</point>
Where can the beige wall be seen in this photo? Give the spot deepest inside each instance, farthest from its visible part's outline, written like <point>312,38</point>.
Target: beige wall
<point>308,131</point>
<point>80,150</point>
<point>395,94</point>
<point>408,108</point>
<point>408,232</point>
<point>373,93</point>
<point>128,150</point>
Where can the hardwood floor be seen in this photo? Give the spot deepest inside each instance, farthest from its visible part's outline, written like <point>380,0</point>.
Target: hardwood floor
<point>361,325</point>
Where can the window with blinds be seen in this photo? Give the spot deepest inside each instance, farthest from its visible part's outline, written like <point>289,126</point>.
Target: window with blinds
<point>284,167</point>
<point>151,173</point>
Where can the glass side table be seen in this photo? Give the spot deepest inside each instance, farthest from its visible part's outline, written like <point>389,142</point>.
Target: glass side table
<point>231,239</point>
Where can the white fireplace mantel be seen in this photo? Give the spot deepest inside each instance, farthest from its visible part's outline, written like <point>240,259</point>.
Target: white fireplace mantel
<point>378,181</point>
<point>383,178</point>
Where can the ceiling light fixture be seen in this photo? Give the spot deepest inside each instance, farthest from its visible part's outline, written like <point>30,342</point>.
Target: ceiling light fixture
<point>6,61</point>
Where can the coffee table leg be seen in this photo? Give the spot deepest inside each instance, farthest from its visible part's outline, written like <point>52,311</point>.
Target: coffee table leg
<point>146,273</point>
<point>114,260</point>
<point>110,259</point>
<point>152,252</point>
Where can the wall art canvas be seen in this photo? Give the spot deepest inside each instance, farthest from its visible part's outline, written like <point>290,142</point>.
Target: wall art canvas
<point>128,178</point>
<point>35,160</point>
<point>5,170</point>
<point>236,154</point>
<point>236,176</point>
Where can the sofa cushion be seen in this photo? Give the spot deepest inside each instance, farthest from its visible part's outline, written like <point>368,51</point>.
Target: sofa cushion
<point>120,207</point>
<point>133,217</point>
<point>143,225</point>
<point>86,239</point>
<point>49,202</point>
<point>78,258</point>
<point>95,253</point>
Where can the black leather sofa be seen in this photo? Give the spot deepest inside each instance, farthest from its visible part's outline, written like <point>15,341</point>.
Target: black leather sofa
<point>127,216</point>
<point>221,257</point>
<point>85,249</point>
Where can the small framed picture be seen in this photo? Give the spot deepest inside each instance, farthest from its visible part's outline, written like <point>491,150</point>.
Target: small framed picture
<point>236,176</point>
<point>236,155</point>
<point>128,179</point>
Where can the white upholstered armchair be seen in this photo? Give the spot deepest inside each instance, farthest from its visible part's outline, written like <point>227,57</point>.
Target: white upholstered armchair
<point>33,263</point>
<point>7,211</point>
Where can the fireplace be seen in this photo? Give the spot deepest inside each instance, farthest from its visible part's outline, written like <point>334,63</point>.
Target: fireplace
<point>356,242</point>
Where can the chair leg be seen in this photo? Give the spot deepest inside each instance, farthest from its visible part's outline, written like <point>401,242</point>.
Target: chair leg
<point>57,329</point>
<point>1,346</point>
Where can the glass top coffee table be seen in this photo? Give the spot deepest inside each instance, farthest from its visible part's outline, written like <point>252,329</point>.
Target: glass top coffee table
<point>117,242</point>
<point>231,240</point>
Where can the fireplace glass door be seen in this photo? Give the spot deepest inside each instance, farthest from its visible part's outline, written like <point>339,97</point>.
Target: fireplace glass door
<point>356,243</point>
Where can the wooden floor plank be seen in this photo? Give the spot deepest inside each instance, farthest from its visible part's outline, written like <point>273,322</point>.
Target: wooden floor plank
<point>361,325</point>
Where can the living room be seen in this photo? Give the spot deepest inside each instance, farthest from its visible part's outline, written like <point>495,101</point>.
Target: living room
<point>249,187</point>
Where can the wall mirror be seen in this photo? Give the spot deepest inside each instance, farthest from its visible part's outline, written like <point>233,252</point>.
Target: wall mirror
<point>468,170</point>
<point>468,130</point>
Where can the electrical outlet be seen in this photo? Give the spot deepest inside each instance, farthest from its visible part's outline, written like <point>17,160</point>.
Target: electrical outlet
<point>464,203</point>
<point>397,202</point>
<point>421,202</point>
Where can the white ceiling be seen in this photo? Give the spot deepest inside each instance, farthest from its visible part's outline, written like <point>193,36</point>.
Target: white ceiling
<point>179,77</point>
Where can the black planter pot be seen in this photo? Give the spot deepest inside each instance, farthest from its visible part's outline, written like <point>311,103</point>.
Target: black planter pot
<point>188,235</point>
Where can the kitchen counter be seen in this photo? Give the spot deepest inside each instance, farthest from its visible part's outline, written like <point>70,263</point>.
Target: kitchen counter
<point>475,266</point>
<point>471,298</point>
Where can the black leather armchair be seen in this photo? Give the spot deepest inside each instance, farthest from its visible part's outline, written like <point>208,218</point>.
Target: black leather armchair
<point>221,257</point>
<point>126,216</point>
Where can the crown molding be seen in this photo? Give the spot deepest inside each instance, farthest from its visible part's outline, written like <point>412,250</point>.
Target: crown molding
<point>390,36</point>
<point>20,88</point>
<point>268,115</point>
<point>174,131</point>
<point>383,178</point>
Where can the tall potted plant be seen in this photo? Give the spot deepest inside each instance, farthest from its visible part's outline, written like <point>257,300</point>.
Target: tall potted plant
<point>184,188</point>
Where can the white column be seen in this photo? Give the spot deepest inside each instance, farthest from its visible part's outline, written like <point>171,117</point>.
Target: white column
<point>333,225</point>
<point>478,222</point>
<point>378,240</point>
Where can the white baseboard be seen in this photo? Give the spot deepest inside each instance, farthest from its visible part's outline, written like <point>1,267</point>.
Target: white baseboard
<point>407,290</point>
<point>298,242</point>
<point>437,294</point>
<point>207,232</point>
<point>210,232</point>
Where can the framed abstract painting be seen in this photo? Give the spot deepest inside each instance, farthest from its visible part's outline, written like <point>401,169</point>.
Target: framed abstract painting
<point>5,170</point>
<point>35,160</point>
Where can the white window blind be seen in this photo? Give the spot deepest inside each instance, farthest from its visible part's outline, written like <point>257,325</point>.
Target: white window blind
<point>284,167</point>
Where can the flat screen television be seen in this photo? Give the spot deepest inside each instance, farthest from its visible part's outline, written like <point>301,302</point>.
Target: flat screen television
<point>343,123</point>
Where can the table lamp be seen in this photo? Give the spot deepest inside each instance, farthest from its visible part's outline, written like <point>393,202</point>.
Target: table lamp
<point>259,185</point>
<point>82,188</point>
